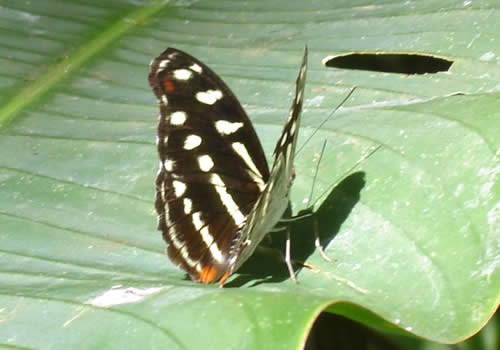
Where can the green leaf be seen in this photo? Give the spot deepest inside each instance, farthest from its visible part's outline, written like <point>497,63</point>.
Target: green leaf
<point>414,227</point>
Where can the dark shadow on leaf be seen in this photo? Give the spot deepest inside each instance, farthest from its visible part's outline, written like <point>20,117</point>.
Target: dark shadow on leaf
<point>337,332</point>
<point>267,263</point>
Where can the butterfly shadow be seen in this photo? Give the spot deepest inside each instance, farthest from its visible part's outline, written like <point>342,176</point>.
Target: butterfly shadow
<point>267,264</point>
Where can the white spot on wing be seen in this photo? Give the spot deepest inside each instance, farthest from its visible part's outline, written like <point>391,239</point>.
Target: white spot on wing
<point>162,192</point>
<point>207,238</point>
<point>197,222</point>
<point>299,96</point>
<point>188,206</point>
<point>205,162</point>
<point>179,188</point>
<point>293,128</point>
<point>243,153</point>
<point>191,142</point>
<point>178,118</point>
<point>227,128</point>
<point>179,245</point>
<point>284,137</point>
<point>173,237</point>
<point>228,201</point>
<point>169,164</point>
<point>187,259</point>
<point>212,246</point>
<point>209,97</point>
<point>163,64</point>
<point>182,74</point>
<point>196,67</point>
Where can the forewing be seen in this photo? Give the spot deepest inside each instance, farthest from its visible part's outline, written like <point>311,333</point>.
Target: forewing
<point>212,166</point>
<point>273,202</point>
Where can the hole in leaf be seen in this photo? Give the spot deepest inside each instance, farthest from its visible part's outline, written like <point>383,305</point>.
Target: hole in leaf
<point>405,63</point>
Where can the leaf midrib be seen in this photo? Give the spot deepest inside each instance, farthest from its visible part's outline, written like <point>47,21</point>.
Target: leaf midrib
<point>87,50</point>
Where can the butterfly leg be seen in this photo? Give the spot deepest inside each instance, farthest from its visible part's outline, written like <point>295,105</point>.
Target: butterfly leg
<point>317,242</point>
<point>288,259</point>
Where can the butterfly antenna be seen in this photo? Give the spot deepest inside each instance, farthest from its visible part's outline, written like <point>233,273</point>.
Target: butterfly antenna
<point>309,211</point>
<point>317,169</point>
<point>317,241</point>
<point>326,119</point>
<point>361,160</point>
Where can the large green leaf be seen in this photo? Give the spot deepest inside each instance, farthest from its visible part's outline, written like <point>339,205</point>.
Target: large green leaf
<point>414,228</point>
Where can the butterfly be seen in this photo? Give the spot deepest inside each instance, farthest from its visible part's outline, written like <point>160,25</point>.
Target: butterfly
<point>216,198</point>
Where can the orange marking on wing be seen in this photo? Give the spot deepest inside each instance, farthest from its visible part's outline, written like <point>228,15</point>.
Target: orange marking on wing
<point>208,274</point>
<point>224,278</point>
<point>168,85</point>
